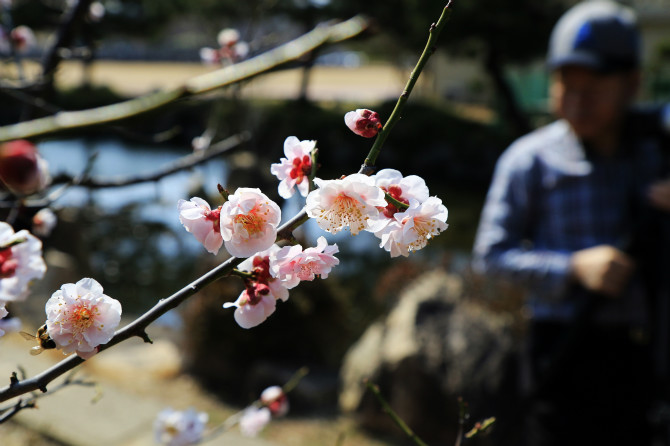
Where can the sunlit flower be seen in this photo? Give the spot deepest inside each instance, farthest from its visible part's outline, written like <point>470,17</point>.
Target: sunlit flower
<point>253,420</point>
<point>363,122</point>
<point>20,262</point>
<point>249,222</point>
<point>179,428</point>
<point>22,169</point>
<point>231,48</point>
<point>200,220</point>
<point>401,189</point>
<point>44,221</point>
<point>413,227</point>
<point>349,202</point>
<point>276,400</point>
<point>294,170</point>
<point>80,317</point>
<point>294,265</point>
<point>262,264</point>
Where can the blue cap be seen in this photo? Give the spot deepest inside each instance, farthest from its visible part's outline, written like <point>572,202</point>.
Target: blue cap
<point>601,35</point>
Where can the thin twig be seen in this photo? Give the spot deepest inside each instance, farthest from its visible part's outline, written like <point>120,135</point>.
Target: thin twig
<point>232,74</point>
<point>394,416</point>
<point>435,28</point>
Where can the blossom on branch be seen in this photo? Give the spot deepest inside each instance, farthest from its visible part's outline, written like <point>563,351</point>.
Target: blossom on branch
<point>200,220</point>
<point>231,48</point>
<point>411,229</point>
<point>276,400</point>
<point>350,202</point>
<point>294,170</point>
<point>363,122</point>
<point>402,189</point>
<point>249,222</point>
<point>80,317</point>
<point>253,420</point>
<point>293,264</point>
<point>20,262</point>
<point>179,428</point>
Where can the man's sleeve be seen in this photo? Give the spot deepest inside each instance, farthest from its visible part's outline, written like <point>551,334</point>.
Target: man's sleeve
<point>503,246</point>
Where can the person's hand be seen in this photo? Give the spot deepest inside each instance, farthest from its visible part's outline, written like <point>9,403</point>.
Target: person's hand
<point>602,269</point>
<point>659,195</point>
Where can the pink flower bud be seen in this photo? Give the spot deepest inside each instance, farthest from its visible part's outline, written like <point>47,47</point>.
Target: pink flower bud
<point>363,122</point>
<point>21,168</point>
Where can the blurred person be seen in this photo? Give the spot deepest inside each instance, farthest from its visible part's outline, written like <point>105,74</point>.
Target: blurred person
<point>577,214</point>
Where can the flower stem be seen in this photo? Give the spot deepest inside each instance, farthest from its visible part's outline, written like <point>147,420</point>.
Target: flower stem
<point>394,416</point>
<point>429,49</point>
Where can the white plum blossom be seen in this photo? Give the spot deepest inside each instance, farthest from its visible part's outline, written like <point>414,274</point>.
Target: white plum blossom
<point>249,222</point>
<point>179,428</point>
<point>231,48</point>
<point>20,262</point>
<point>9,324</point>
<point>401,189</point>
<point>294,170</point>
<point>44,221</point>
<point>349,202</point>
<point>200,220</point>
<point>254,306</point>
<point>253,420</point>
<point>276,400</point>
<point>262,264</point>
<point>23,38</point>
<point>413,227</point>
<point>294,265</point>
<point>80,317</point>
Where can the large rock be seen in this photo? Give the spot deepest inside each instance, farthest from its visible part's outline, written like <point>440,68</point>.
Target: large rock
<point>433,347</point>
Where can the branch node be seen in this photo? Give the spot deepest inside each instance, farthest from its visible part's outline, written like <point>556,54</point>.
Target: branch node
<point>145,337</point>
<point>13,380</point>
<point>43,388</point>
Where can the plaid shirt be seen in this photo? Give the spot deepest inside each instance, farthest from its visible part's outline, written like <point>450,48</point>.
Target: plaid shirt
<point>549,197</point>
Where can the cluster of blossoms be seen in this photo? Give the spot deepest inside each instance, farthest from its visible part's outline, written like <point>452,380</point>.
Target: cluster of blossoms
<point>274,272</point>
<point>231,49</point>
<point>183,428</point>
<point>398,210</point>
<point>80,317</point>
<point>21,39</point>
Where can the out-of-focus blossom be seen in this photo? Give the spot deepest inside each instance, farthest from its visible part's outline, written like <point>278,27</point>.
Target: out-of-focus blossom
<point>22,38</point>
<point>413,227</point>
<point>9,324</point>
<point>3,313</point>
<point>179,428</point>
<point>80,317</point>
<point>253,420</point>
<point>44,221</point>
<point>96,12</point>
<point>231,48</point>
<point>21,262</point>
<point>200,220</point>
<point>249,221</point>
<point>294,170</point>
<point>22,170</point>
<point>276,400</point>
<point>363,122</point>
<point>350,202</point>
<point>294,265</point>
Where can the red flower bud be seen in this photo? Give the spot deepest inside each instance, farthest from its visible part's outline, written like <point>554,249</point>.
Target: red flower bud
<point>363,122</point>
<point>21,168</point>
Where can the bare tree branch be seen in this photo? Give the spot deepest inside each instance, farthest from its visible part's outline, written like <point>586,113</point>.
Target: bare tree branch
<point>321,35</point>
